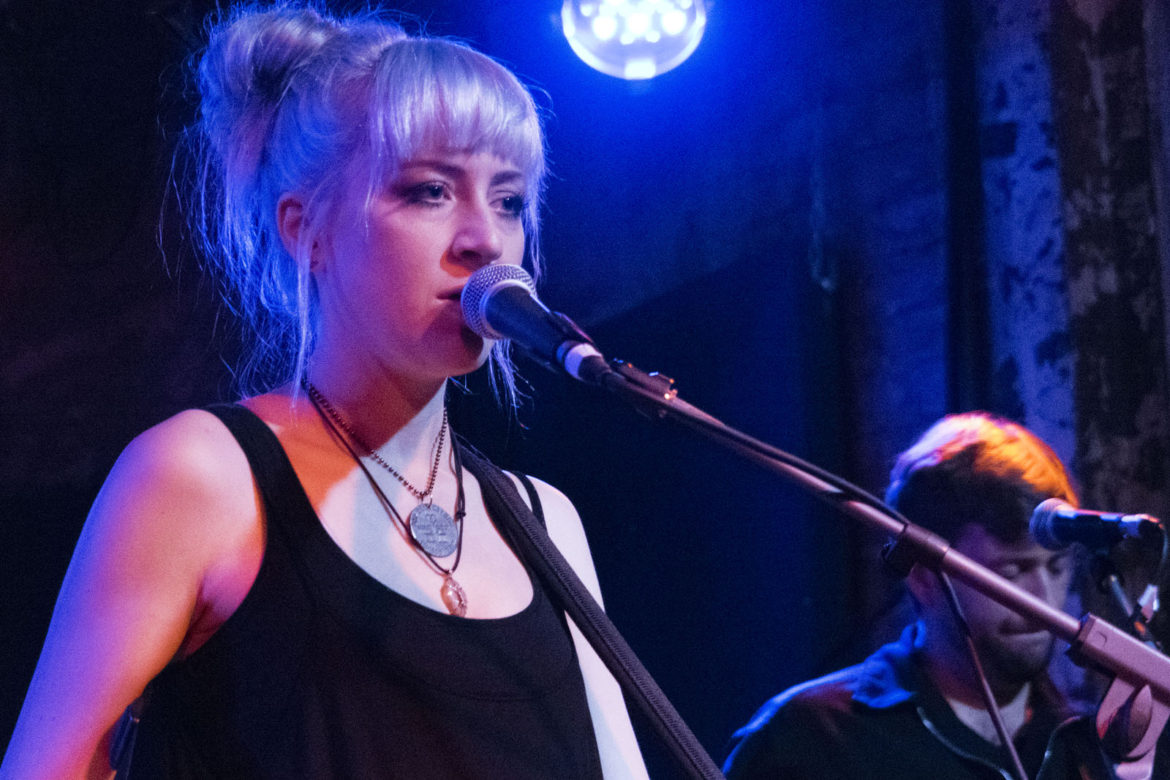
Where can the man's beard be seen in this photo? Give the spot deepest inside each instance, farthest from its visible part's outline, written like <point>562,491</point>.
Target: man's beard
<point>1012,666</point>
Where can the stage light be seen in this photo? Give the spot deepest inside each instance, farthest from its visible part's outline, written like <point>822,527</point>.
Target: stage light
<point>633,39</point>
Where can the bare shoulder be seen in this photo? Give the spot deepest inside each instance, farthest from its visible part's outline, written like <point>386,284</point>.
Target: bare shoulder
<point>165,555</point>
<point>559,512</point>
<point>187,465</point>
<point>551,498</point>
<point>182,489</point>
<point>179,505</point>
<point>567,532</point>
<point>192,450</point>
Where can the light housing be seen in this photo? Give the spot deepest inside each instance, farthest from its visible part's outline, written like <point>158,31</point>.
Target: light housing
<point>633,39</point>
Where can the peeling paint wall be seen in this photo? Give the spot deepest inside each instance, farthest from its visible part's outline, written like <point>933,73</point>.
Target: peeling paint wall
<point>1113,255</point>
<point>1032,359</point>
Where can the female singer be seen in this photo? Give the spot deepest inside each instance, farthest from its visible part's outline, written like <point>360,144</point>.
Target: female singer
<point>308,583</point>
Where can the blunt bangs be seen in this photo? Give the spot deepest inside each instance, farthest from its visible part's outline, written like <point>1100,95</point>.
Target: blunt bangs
<point>438,94</point>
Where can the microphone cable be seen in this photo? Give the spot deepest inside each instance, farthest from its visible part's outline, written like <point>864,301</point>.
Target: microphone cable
<point>984,687</point>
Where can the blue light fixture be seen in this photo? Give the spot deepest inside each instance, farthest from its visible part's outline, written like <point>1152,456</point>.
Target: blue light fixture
<point>633,39</point>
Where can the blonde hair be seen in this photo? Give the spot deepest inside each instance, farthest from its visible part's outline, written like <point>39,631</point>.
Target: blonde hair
<point>293,99</point>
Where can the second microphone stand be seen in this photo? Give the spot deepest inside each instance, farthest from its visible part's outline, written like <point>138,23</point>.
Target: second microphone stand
<point>1136,706</point>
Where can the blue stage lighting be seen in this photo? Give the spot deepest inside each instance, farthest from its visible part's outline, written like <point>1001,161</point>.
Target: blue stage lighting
<point>633,39</point>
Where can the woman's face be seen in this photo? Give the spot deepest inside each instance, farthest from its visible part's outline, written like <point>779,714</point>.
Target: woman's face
<point>390,287</point>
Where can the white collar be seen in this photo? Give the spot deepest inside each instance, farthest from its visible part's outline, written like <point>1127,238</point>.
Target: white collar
<point>1014,714</point>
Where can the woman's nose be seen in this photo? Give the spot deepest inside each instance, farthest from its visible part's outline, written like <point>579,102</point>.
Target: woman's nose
<point>477,238</point>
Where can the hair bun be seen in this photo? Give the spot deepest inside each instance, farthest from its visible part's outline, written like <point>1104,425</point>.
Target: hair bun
<point>246,69</point>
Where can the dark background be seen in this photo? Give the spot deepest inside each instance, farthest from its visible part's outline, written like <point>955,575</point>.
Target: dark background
<point>834,223</point>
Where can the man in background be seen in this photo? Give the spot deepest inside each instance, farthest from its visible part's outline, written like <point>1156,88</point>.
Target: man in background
<point>913,709</point>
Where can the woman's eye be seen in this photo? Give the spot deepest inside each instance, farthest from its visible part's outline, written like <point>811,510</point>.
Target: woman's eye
<point>427,192</point>
<point>512,205</point>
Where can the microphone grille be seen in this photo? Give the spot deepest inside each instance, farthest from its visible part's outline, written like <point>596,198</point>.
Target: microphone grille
<point>1040,525</point>
<point>476,291</point>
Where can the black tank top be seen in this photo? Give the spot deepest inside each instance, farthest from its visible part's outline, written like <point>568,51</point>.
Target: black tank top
<point>323,672</point>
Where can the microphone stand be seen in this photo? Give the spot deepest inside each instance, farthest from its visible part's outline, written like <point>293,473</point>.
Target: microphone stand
<point>1105,574</point>
<point>1136,706</point>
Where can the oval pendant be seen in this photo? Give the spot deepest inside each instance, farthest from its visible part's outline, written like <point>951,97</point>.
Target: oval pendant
<point>454,597</point>
<point>433,530</point>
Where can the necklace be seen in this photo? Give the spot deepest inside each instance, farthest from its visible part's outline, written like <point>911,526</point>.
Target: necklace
<point>432,531</point>
<point>429,526</point>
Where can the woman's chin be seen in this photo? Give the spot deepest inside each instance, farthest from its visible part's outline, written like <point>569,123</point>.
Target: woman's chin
<point>477,347</point>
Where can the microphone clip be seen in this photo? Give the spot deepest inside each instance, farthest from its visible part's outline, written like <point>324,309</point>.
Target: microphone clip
<point>658,386</point>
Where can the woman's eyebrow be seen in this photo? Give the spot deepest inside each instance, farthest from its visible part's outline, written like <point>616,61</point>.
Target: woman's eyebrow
<point>439,166</point>
<point>507,177</point>
<point>454,171</point>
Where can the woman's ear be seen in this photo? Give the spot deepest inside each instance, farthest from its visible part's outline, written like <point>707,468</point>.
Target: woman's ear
<point>292,224</point>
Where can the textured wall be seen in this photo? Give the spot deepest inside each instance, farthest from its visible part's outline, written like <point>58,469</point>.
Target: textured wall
<point>1156,21</point>
<point>1024,242</point>
<point>884,162</point>
<point>1113,255</point>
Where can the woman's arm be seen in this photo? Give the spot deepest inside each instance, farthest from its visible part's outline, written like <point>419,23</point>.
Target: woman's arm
<point>620,755</point>
<point>157,552</point>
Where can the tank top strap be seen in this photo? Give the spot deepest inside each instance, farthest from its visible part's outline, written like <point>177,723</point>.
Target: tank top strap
<point>533,496</point>
<point>496,487</point>
<point>281,493</point>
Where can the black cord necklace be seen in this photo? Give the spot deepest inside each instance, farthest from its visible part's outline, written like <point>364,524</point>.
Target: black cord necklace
<point>424,540</point>
<point>430,526</point>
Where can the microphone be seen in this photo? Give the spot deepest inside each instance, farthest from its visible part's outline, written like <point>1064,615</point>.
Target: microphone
<point>499,302</point>
<point>1056,524</point>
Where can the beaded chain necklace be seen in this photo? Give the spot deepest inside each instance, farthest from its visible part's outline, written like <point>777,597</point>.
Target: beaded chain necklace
<point>430,529</point>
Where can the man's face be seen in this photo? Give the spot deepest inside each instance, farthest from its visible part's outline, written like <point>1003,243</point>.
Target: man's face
<point>1012,648</point>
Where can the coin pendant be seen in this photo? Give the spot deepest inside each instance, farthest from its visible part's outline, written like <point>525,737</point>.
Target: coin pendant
<point>433,530</point>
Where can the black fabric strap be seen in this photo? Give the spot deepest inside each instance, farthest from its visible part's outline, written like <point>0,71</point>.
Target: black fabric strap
<point>274,475</point>
<point>520,526</point>
<point>533,496</point>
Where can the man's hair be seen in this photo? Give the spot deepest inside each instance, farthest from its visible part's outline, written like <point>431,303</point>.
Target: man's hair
<point>976,468</point>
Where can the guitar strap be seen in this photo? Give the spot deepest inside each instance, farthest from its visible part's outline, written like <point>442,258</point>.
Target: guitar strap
<point>532,543</point>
